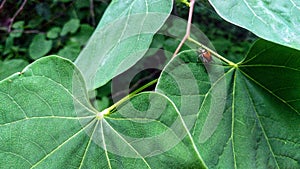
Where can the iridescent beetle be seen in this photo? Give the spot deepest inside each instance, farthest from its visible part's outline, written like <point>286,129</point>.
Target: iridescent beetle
<point>205,55</point>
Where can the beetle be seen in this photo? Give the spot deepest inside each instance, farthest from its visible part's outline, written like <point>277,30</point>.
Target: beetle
<point>205,55</point>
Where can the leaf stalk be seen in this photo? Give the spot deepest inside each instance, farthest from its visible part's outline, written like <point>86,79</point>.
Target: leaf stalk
<point>213,52</point>
<point>111,109</point>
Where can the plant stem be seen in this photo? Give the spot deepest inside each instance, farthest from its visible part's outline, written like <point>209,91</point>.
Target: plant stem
<point>212,52</point>
<point>15,15</point>
<point>124,99</point>
<point>92,13</point>
<point>185,2</point>
<point>133,87</point>
<point>188,28</point>
<point>187,37</point>
<point>2,4</point>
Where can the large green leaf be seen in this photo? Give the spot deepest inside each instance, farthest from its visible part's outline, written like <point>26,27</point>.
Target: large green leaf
<point>248,113</point>
<point>274,20</point>
<point>46,121</point>
<point>122,37</point>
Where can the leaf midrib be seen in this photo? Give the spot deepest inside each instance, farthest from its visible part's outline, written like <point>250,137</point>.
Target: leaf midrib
<point>232,118</point>
<point>208,92</point>
<point>122,34</point>
<point>47,117</point>
<point>269,91</point>
<point>62,144</point>
<point>90,109</point>
<point>122,138</point>
<point>88,146</point>
<point>261,126</point>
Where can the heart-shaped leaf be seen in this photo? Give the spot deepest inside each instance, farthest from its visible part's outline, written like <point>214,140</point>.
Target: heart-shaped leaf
<point>245,115</point>
<point>276,20</point>
<point>122,37</point>
<point>46,121</point>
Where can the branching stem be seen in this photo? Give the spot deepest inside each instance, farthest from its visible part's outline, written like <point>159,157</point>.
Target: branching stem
<point>188,28</point>
<point>2,4</point>
<point>187,37</point>
<point>92,13</point>
<point>15,15</point>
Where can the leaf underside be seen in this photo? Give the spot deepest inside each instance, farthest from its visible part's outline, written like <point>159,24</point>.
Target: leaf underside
<point>122,37</point>
<point>277,21</point>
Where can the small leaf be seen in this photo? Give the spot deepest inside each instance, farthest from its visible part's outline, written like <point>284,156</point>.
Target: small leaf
<point>18,29</point>
<point>70,51</point>
<point>53,32</point>
<point>70,27</point>
<point>277,21</point>
<point>64,1</point>
<point>122,37</point>
<point>243,116</point>
<point>43,10</point>
<point>9,43</point>
<point>82,4</point>
<point>39,46</point>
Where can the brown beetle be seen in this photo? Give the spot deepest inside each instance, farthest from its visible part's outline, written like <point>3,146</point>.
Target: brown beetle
<point>206,56</point>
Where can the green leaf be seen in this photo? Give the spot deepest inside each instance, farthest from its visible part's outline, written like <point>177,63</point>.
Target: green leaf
<point>39,46</point>
<point>9,43</point>
<point>9,67</point>
<point>83,35</point>
<point>102,104</point>
<point>122,37</point>
<point>82,4</point>
<point>53,32</point>
<point>43,10</point>
<point>243,116</point>
<point>48,122</point>
<point>277,21</point>
<point>18,29</point>
<point>70,27</point>
<point>70,51</point>
<point>64,1</point>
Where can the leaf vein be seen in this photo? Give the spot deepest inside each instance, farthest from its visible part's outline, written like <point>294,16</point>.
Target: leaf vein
<point>269,91</point>
<point>261,126</point>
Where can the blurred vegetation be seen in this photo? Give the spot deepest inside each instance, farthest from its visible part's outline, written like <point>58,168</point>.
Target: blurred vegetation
<point>47,27</point>
<point>63,27</point>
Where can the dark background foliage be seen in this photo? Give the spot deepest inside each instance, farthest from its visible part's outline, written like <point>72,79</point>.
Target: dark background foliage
<point>63,27</point>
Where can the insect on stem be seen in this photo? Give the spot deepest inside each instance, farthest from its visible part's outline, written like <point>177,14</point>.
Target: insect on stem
<point>213,52</point>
